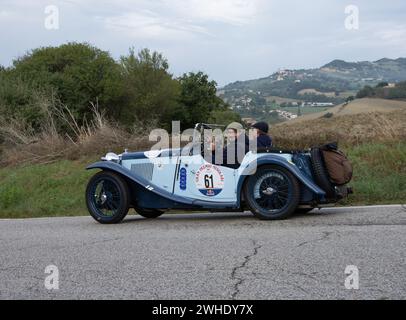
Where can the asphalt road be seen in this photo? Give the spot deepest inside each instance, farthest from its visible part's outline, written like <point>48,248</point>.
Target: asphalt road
<point>208,256</point>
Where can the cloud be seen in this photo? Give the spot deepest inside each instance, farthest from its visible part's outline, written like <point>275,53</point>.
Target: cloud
<point>150,25</point>
<point>173,19</point>
<point>395,35</point>
<point>229,39</point>
<point>379,35</point>
<point>234,12</point>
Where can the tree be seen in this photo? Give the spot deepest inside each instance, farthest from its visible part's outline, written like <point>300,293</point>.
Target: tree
<point>149,90</point>
<point>224,117</point>
<point>382,84</point>
<point>22,101</point>
<point>137,87</point>
<point>77,73</point>
<point>367,91</point>
<point>198,98</point>
<point>350,98</point>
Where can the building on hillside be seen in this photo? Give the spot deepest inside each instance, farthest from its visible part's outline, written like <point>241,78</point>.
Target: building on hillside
<point>318,104</point>
<point>285,114</point>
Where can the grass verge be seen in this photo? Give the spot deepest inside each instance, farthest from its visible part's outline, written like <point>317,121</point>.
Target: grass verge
<point>57,189</point>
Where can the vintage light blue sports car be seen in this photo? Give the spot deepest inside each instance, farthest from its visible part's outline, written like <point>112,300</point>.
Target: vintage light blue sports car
<point>272,183</point>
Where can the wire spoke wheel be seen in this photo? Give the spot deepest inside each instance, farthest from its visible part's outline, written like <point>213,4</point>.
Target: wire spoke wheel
<point>272,192</point>
<point>107,197</point>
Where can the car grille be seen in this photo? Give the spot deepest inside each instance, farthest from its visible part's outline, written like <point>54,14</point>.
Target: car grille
<point>144,170</point>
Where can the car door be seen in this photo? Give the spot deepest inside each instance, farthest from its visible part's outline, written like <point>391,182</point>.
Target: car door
<point>199,179</point>
<point>165,166</point>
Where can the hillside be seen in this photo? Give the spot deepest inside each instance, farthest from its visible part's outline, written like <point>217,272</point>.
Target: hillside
<point>332,83</point>
<point>361,121</point>
<point>358,106</point>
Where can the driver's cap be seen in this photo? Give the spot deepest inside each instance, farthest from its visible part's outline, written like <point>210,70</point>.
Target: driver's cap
<point>235,126</point>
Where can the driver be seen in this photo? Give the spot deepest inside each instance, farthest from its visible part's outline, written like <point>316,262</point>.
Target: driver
<point>235,150</point>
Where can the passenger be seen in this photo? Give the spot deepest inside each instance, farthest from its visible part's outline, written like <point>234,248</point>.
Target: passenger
<point>264,141</point>
<point>237,145</point>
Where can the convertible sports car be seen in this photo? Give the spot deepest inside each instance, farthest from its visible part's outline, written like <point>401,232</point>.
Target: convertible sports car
<point>272,183</point>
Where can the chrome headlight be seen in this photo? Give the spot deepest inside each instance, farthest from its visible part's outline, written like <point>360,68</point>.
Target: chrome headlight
<point>111,156</point>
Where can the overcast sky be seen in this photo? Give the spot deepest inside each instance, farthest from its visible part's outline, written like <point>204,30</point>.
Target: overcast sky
<point>229,39</point>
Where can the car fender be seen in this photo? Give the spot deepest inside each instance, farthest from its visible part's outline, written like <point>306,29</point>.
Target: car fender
<point>251,167</point>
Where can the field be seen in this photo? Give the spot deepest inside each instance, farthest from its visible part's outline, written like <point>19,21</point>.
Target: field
<point>279,100</point>
<point>331,94</point>
<point>314,91</point>
<point>359,106</point>
<point>305,110</point>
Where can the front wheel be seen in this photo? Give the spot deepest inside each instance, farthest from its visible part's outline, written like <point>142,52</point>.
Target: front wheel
<point>107,197</point>
<point>272,193</point>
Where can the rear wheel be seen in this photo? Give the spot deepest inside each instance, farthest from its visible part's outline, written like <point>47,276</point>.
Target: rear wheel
<point>272,193</point>
<point>149,213</point>
<point>107,197</point>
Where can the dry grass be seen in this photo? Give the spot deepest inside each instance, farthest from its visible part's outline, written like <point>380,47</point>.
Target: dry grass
<point>22,145</point>
<point>346,129</point>
<point>365,105</point>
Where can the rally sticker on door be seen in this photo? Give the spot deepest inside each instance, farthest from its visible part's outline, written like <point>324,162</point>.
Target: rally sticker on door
<point>209,180</point>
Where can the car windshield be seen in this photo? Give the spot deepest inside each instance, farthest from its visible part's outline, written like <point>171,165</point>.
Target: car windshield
<point>196,146</point>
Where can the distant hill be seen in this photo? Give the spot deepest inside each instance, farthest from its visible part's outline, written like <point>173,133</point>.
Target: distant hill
<point>331,83</point>
<point>383,69</point>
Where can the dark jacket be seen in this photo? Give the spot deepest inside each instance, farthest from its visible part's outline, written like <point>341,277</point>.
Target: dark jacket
<point>264,141</point>
<point>236,145</point>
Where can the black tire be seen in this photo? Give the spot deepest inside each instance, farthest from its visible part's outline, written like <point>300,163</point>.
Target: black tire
<point>107,197</point>
<point>320,173</point>
<point>149,213</point>
<point>283,197</point>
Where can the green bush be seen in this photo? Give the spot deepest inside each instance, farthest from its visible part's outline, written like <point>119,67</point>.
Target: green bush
<point>77,73</point>
<point>22,100</point>
<point>367,91</point>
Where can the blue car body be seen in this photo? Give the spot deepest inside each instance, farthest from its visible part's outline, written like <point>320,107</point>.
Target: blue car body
<point>167,179</point>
